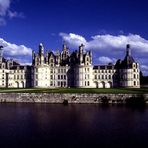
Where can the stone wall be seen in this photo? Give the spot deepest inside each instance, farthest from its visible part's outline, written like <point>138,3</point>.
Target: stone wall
<point>69,98</point>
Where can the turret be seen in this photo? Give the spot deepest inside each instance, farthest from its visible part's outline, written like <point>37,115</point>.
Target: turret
<point>65,54</point>
<point>129,70</point>
<point>41,49</point>
<point>46,58</point>
<point>58,57</point>
<point>64,46</point>
<point>41,53</point>
<point>33,57</point>
<point>81,47</point>
<point>90,54</point>
<point>1,53</point>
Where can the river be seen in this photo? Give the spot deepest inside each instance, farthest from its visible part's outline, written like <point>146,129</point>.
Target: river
<point>80,125</point>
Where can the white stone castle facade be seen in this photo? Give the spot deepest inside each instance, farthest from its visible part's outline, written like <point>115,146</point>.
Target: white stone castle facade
<point>49,70</point>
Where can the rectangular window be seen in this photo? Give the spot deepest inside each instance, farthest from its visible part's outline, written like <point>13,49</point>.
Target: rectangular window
<point>51,83</point>
<point>109,76</point>
<point>64,77</point>
<point>85,76</point>
<point>51,77</point>
<point>64,83</point>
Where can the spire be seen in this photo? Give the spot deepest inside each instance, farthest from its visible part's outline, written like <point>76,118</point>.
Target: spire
<point>81,47</point>
<point>1,49</point>
<point>41,49</point>
<point>128,60</point>
<point>33,54</point>
<point>64,46</point>
<point>41,53</point>
<point>128,50</point>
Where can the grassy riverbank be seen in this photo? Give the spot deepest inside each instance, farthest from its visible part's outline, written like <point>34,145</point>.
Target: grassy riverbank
<point>77,90</point>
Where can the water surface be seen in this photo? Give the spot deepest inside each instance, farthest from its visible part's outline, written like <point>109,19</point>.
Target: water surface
<point>80,125</point>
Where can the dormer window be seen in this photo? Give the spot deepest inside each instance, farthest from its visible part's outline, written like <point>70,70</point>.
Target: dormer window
<point>51,60</point>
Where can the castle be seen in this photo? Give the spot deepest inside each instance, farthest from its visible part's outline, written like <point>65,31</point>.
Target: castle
<point>53,70</point>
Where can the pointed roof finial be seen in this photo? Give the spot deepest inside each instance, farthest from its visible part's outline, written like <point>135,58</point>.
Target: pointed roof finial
<point>128,50</point>
<point>64,45</point>
<point>41,48</point>
<point>128,46</point>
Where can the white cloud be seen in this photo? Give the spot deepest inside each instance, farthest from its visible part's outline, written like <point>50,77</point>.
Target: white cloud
<point>4,6</point>
<point>15,14</point>
<point>107,46</point>
<point>73,39</point>
<point>5,11</point>
<point>101,42</point>
<point>20,52</point>
<point>2,22</point>
<point>144,69</point>
<point>106,60</point>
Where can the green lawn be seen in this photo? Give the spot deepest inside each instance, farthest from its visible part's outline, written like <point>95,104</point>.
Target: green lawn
<point>76,90</point>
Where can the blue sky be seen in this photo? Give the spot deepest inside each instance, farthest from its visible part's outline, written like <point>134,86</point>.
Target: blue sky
<point>105,26</point>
